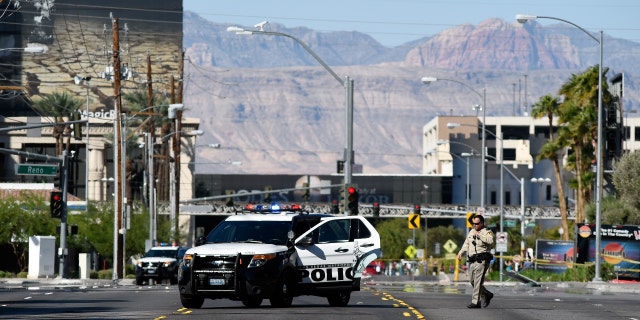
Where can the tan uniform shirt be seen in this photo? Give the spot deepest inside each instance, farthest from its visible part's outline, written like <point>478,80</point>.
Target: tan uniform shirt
<point>484,242</point>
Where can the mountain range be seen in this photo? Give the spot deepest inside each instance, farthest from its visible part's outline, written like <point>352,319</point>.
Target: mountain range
<point>274,108</point>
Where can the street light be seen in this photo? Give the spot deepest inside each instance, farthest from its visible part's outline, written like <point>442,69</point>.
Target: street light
<point>483,95</point>
<point>540,181</point>
<point>34,49</point>
<point>347,83</point>
<point>522,197</point>
<point>174,186</point>
<point>522,18</point>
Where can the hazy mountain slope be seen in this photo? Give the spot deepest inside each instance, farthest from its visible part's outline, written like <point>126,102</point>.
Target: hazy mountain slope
<point>271,105</point>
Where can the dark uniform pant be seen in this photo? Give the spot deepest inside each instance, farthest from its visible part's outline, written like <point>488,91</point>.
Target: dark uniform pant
<point>476,273</point>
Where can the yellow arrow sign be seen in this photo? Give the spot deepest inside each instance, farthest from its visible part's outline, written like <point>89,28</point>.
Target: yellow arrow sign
<point>410,251</point>
<point>414,221</point>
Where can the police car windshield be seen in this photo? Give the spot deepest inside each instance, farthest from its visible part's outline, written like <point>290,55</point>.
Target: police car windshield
<point>273,232</point>
<point>161,253</point>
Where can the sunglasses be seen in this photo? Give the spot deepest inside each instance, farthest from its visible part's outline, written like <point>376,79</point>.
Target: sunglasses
<point>477,224</point>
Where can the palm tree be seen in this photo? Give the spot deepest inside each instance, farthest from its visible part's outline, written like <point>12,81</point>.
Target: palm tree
<point>58,106</point>
<point>137,101</point>
<point>579,114</point>
<point>549,106</point>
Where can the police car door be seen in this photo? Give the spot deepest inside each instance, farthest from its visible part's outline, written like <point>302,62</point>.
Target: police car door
<point>331,252</point>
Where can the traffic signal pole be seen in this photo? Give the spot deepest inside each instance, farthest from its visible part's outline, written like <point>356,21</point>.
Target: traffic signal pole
<point>62,251</point>
<point>64,159</point>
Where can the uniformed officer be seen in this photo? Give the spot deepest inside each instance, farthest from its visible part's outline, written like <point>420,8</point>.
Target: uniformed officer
<point>478,246</point>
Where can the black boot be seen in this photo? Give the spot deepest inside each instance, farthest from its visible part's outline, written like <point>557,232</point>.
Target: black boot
<point>487,299</point>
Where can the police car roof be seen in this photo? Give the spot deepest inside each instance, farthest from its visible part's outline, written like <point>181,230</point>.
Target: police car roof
<point>165,248</point>
<point>283,216</point>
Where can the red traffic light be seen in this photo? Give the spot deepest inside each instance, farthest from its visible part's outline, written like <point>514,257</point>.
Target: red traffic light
<point>56,197</point>
<point>351,190</point>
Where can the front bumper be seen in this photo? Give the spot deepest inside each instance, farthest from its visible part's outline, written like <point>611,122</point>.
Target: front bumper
<point>224,282</point>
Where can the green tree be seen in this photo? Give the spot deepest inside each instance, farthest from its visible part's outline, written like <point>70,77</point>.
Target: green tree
<point>548,107</point>
<point>626,178</point>
<point>625,208</point>
<point>95,230</point>
<point>394,234</point>
<point>25,216</point>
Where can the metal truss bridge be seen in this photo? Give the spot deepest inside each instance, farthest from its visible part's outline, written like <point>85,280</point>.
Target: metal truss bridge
<point>387,211</point>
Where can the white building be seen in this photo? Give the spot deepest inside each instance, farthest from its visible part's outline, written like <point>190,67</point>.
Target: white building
<point>450,141</point>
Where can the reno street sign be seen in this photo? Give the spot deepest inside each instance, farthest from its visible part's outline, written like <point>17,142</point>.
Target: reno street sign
<point>37,169</point>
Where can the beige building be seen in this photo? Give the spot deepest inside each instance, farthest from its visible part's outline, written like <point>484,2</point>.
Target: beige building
<point>451,144</point>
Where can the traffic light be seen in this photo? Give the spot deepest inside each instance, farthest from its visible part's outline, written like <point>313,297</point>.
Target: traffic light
<point>352,200</point>
<point>56,204</point>
<point>267,196</point>
<point>376,209</point>
<point>77,127</point>
<point>416,208</point>
<point>335,207</point>
<point>306,194</point>
<point>229,202</point>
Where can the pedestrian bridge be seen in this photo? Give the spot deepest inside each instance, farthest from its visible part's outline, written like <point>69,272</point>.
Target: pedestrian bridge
<point>388,211</point>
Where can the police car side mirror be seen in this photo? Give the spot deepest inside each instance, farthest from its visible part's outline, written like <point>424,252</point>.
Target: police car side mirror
<point>306,241</point>
<point>201,240</point>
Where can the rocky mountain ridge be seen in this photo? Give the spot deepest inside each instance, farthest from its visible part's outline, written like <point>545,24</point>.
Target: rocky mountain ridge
<point>273,107</point>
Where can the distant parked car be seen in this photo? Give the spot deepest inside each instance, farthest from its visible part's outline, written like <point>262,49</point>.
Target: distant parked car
<point>374,268</point>
<point>160,263</point>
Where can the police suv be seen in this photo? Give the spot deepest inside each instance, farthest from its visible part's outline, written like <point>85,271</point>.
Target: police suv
<point>159,263</point>
<point>277,254</point>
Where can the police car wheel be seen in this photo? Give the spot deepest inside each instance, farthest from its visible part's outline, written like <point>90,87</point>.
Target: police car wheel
<point>191,301</point>
<point>283,294</point>
<point>252,301</point>
<point>340,299</point>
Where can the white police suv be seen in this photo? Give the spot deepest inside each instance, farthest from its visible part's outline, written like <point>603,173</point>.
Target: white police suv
<point>159,263</point>
<point>277,254</point>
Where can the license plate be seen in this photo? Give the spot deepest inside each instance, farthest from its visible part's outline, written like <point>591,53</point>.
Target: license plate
<point>216,282</point>
<point>151,271</point>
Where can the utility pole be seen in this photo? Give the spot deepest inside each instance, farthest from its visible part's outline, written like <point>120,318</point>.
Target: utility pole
<point>118,243</point>
<point>151,168</point>
<point>178,149</point>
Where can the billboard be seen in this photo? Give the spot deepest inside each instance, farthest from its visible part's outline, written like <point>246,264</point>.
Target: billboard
<point>554,255</point>
<point>45,44</point>
<point>620,247</point>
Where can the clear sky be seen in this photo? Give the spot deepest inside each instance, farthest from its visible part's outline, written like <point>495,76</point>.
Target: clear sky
<point>394,22</point>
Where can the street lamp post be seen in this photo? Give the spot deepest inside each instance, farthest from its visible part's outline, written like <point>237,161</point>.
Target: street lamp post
<point>522,197</point>
<point>174,172</point>
<point>483,95</point>
<point>465,157</point>
<point>467,189</point>
<point>522,18</point>
<point>473,152</point>
<point>347,83</point>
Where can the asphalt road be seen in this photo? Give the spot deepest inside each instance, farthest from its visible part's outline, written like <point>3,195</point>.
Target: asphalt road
<point>410,300</point>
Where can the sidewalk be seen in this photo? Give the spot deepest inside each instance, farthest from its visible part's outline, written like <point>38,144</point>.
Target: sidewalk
<point>447,279</point>
<point>59,283</point>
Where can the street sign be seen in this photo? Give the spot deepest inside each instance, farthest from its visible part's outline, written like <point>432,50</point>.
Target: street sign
<point>414,221</point>
<point>410,251</point>
<point>37,169</point>
<point>450,246</point>
<point>501,242</point>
